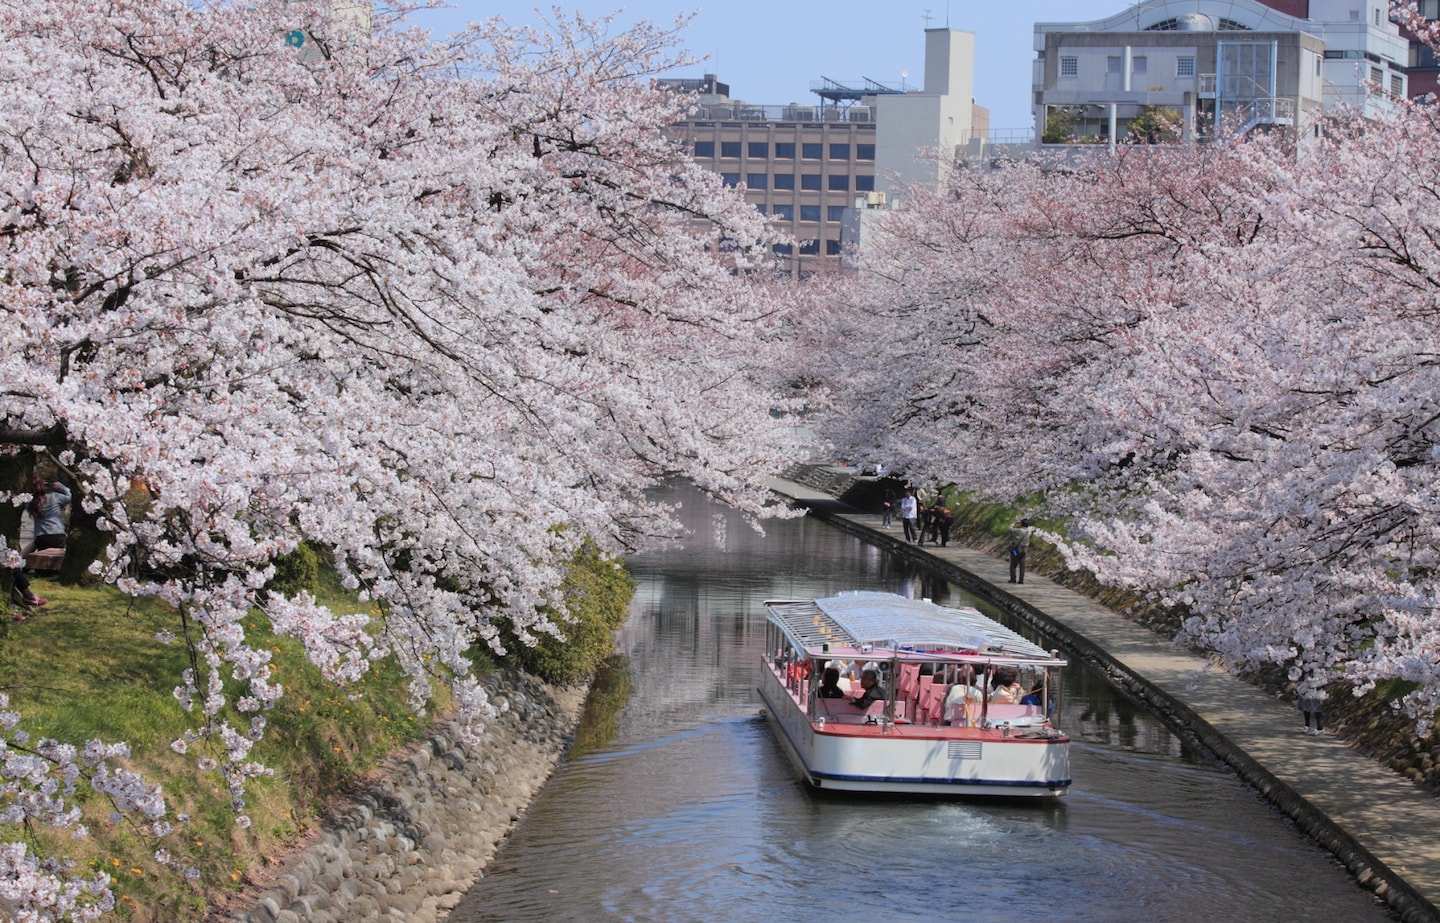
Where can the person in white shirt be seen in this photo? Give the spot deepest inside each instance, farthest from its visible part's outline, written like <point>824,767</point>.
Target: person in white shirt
<point>910,516</point>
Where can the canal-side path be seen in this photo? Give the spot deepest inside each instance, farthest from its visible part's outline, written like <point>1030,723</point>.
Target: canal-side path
<point>1382,827</point>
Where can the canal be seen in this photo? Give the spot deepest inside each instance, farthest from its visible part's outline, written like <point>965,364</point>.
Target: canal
<point>676,804</point>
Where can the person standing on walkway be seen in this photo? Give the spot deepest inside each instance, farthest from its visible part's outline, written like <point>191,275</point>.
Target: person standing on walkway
<point>909,515</point>
<point>887,509</point>
<point>1019,536</point>
<point>944,519</point>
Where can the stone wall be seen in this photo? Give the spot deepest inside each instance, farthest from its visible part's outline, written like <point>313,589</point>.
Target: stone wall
<point>411,844</point>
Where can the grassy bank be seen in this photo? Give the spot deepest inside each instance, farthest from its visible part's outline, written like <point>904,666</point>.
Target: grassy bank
<point>89,665</point>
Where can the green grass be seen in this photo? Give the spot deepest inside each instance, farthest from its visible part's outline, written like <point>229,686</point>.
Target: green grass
<point>89,665</point>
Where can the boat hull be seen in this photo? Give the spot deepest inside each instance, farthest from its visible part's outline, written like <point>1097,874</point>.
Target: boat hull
<point>916,759</point>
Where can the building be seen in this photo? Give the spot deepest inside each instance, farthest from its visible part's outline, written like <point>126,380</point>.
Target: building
<point>1203,63</point>
<point>807,165</point>
<point>1423,72</point>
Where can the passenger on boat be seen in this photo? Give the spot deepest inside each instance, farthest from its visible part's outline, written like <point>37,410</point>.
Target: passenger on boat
<point>830,685</point>
<point>1037,693</point>
<point>963,693</point>
<point>1007,689</point>
<point>871,692</point>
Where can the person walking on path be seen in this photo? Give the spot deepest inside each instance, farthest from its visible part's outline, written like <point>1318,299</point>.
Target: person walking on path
<point>1019,544</point>
<point>909,515</point>
<point>1310,705</point>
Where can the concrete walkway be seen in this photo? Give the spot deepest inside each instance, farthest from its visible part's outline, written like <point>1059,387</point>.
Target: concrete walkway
<point>1382,827</point>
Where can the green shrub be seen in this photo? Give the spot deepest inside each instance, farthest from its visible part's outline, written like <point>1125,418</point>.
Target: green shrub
<point>597,594</point>
<point>296,571</point>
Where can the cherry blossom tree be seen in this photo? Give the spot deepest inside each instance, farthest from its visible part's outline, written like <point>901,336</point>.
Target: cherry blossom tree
<point>444,308</point>
<point>1215,365</point>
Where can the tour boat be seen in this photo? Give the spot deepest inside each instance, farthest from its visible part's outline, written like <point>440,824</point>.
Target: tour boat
<point>940,728</point>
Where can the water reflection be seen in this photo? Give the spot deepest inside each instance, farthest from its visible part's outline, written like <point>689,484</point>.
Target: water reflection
<point>677,804</point>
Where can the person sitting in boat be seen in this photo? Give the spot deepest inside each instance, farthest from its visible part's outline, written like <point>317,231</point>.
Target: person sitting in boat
<point>871,690</point>
<point>830,685</point>
<point>962,693</point>
<point>1007,689</point>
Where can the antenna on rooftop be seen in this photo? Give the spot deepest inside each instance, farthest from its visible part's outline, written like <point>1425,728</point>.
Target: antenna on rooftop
<point>927,17</point>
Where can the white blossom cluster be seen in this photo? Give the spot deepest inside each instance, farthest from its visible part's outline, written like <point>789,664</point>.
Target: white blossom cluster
<point>1216,366</point>
<point>444,309</point>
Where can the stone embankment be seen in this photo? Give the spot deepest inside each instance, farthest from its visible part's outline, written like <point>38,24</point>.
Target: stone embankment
<point>411,844</point>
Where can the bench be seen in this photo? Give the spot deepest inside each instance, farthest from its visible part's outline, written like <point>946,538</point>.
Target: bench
<point>45,559</point>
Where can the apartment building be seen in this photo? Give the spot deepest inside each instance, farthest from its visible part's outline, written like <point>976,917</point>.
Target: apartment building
<point>806,166</point>
<point>1203,63</point>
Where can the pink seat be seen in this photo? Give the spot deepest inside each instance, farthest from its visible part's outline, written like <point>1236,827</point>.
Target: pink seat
<point>909,680</point>
<point>932,703</point>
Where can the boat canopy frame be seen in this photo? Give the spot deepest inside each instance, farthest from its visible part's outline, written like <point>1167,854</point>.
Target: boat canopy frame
<point>873,621</point>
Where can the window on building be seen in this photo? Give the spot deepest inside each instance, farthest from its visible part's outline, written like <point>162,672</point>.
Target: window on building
<point>810,151</point>
<point>832,247</point>
<point>1377,76</point>
<point>839,152</point>
<point>783,249</point>
<point>809,247</point>
<point>834,213</point>
<point>1185,66</point>
<point>758,149</point>
<point>810,181</point>
<point>1112,64</point>
<point>839,182</point>
<point>864,184</point>
<point>760,208</point>
<point>783,212</point>
<point>729,148</point>
<point>1138,64</point>
<point>809,213</point>
<point>784,150</point>
<point>730,179</point>
<point>1397,85</point>
<point>704,148</point>
<point>864,152</point>
<point>1069,66</point>
<point>1377,15</point>
<point>757,180</point>
<point>782,181</point>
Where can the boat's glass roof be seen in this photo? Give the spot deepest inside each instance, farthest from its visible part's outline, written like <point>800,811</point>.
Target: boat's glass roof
<point>886,620</point>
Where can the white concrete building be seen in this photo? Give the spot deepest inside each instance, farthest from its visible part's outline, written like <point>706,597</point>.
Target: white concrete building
<point>941,116</point>
<point>1207,62</point>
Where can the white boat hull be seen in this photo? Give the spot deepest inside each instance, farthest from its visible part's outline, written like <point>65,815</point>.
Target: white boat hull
<point>916,759</point>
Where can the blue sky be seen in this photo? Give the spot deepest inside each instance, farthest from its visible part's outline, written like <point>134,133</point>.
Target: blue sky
<point>770,52</point>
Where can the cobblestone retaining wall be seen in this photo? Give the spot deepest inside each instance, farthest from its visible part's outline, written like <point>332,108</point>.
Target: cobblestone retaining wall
<point>409,847</point>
